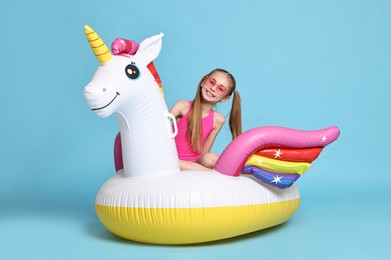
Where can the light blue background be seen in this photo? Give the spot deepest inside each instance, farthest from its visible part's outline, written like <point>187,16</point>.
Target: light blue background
<point>300,64</point>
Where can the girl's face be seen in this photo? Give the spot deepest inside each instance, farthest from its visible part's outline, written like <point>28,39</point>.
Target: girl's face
<point>215,87</point>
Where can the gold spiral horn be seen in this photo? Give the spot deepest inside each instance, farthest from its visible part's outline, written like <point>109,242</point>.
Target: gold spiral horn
<point>100,49</point>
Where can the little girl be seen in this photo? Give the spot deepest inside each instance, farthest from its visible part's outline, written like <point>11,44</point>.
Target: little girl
<point>198,124</point>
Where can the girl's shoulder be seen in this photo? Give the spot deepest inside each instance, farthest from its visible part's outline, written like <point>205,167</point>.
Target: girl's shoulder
<point>180,108</point>
<point>219,118</point>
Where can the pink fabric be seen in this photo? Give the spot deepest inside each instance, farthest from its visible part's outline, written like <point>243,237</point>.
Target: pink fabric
<point>183,147</point>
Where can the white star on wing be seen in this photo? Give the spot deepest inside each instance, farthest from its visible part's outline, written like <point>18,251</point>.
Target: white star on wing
<point>324,138</point>
<point>277,179</point>
<point>278,154</point>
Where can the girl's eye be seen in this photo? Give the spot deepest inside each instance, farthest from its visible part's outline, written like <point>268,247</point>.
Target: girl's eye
<point>221,89</point>
<point>132,71</point>
<point>211,81</point>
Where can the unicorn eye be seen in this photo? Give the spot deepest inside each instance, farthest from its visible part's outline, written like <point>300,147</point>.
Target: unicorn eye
<point>132,71</point>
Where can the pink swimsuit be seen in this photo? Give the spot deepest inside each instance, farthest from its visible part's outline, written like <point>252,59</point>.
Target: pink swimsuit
<point>183,147</point>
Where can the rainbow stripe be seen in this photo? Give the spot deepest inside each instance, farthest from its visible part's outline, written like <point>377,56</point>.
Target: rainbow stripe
<point>156,76</point>
<point>286,167</point>
<point>278,180</point>
<point>278,165</point>
<point>291,154</point>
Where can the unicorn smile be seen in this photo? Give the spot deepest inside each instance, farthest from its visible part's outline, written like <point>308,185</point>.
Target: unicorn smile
<point>99,108</point>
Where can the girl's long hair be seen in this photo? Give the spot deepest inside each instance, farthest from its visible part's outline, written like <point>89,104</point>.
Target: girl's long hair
<point>194,124</point>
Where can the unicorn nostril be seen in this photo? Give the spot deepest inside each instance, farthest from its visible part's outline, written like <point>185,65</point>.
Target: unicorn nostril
<point>104,89</point>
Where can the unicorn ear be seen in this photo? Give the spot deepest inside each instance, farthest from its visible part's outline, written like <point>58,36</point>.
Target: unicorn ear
<point>150,47</point>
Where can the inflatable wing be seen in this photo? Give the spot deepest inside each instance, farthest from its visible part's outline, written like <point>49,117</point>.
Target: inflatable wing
<point>275,155</point>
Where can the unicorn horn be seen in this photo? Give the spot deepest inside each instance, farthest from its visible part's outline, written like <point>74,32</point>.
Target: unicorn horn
<point>100,49</point>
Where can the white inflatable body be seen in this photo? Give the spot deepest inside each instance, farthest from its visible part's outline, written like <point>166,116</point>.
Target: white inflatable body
<point>191,207</point>
<point>150,200</point>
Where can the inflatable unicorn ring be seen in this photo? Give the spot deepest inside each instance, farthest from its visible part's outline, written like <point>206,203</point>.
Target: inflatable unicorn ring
<point>150,200</point>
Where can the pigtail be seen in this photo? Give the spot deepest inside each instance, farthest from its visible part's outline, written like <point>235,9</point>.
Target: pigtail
<point>235,117</point>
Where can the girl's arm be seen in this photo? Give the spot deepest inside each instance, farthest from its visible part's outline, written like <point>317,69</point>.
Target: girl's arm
<point>218,123</point>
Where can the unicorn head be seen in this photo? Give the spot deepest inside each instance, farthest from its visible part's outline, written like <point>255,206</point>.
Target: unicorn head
<point>117,82</point>
<point>127,84</point>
